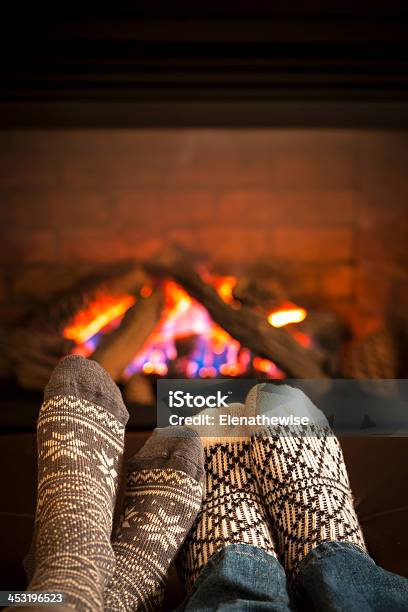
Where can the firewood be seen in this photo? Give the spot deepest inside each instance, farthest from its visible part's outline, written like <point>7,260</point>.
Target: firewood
<point>249,327</point>
<point>34,351</point>
<point>126,278</point>
<point>328,331</point>
<point>129,279</point>
<point>34,354</point>
<point>255,293</point>
<point>118,348</point>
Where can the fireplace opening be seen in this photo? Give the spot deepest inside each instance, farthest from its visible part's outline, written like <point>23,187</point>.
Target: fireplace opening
<point>204,253</point>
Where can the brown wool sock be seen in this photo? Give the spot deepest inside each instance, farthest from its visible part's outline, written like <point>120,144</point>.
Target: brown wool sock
<point>162,499</point>
<point>80,436</point>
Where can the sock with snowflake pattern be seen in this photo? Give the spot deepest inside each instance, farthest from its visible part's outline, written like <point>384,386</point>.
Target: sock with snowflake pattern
<point>80,436</point>
<point>162,499</point>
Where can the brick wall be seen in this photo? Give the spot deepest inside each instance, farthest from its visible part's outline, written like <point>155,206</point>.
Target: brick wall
<point>326,210</point>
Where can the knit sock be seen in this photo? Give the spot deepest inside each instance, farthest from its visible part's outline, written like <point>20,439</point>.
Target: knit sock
<point>80,435</point>
<point>163,496</point>
<point>232,511</point>
<point>302,476</point>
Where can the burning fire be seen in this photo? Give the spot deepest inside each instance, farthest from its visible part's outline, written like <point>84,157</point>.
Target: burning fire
<point>213,350</point>
<point>224,286</point>
<point>99,314</point>
<point>210,351</point>
<point>285,316</point>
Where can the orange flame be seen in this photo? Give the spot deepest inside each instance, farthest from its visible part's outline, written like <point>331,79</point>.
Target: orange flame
<point>267,367</point>
<point>215,351</point>
<point>96,316</point>
<point>285,316</point>
<point>224,286</point>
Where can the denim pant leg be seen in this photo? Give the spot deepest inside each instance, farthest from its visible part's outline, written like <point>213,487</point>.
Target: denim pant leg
<point>240,578</point>
<point>338,576</point>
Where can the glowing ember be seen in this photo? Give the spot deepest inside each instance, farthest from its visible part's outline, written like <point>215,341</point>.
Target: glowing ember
<point>211,350</point>
<point>285,316</point>
<point>267,367</point>
<point>303,339</point>
<point>224,286</point>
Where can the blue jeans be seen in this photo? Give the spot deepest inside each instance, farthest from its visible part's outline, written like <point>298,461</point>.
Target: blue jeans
<point>335,576</point>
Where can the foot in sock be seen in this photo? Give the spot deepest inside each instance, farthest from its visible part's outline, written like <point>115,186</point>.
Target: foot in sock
<point>80,439</point>
<point>302,476</point>
<point>232,511</point>
<point>162,499</point>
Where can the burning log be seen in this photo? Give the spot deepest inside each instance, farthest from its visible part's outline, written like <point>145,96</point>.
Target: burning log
<point>254,293</point>
<point>34,354</point>
<point>130,278</point>
<point>126,278</point>
<point>34,351</point>
<point>249,327</point>
<point>118,348</point>
<point>327,330</point>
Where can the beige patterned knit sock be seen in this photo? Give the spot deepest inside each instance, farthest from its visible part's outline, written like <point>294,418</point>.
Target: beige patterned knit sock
<point>80,436</point>
<point>163,496</point>
<point>303,478</point>
<point>232,511</point>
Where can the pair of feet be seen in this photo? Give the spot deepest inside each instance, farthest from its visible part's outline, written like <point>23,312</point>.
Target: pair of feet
<point>283,493</point>
<point>80,434</point>
<point>282,489</point>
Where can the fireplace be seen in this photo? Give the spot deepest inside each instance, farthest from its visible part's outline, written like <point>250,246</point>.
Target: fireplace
<point>304,229</point>
<point>208,191</point>
<point>201,193</point>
